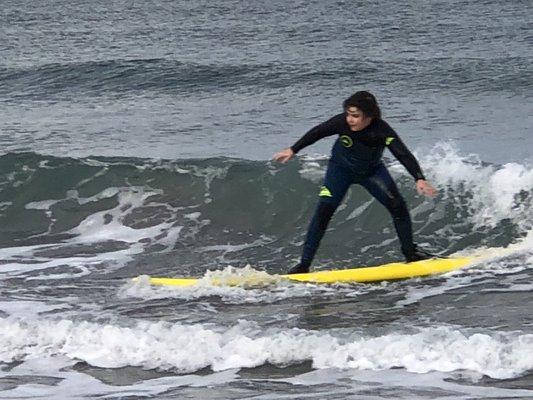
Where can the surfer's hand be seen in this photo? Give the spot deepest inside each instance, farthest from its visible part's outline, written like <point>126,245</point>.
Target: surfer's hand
<point>423,187</point>
<point>284,155</point>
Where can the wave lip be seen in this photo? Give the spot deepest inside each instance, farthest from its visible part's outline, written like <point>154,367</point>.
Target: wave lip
<point>168,346</point>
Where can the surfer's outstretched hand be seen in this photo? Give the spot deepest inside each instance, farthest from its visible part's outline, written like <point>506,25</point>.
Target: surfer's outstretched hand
<point>284,155</point>
<point>423,187</point>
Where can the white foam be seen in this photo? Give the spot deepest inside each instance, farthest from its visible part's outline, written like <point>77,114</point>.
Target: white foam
<point>495,262</point>
<point>77,266</point>
<point>372,384</point>
<point>40,205</point>
<point>107,225</point>
<point>104,194</point>
<point>168,346</point>
<point>72,384</point>
<point>228,248</point>
<point>495,191</point>
<point>235,286</point>
<point>27,309</point>
<point>436,349</point>
<point>103,226</point>
<point>312,169</point>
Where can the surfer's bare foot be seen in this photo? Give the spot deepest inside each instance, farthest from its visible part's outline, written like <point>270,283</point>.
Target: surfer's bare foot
<point>298,269</point>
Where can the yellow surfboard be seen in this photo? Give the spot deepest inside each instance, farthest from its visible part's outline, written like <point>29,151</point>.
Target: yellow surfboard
<point>384,272</point>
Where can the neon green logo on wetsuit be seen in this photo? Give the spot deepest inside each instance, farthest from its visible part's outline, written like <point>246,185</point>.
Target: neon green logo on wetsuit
<point>388,140</point>
<point>324,192</point>
<point>346,141</point>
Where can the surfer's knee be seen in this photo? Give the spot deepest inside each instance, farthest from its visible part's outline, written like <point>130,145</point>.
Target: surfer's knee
<point>324,212</point>
<point>397,207</point>
<point>331,197</point>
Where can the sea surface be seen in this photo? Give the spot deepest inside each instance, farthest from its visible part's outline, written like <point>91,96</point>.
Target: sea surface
<point>136,138</point>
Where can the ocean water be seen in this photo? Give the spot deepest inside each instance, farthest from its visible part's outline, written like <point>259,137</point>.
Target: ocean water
<point>136,137</point>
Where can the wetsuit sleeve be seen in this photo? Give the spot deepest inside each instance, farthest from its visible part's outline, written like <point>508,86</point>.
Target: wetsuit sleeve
<point>328,128</point>
<point>401,152</point>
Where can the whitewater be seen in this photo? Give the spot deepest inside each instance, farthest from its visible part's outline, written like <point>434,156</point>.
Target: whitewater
<point>135,141</point>
<point>69,298</point>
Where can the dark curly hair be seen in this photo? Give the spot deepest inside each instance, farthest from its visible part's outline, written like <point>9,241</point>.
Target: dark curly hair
<point>364,101</point>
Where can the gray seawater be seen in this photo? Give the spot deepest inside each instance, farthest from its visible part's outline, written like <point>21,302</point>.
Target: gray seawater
<point>135,140</point>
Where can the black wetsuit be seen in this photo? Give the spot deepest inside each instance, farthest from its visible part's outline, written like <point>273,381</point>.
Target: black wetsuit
<point>356,158</point>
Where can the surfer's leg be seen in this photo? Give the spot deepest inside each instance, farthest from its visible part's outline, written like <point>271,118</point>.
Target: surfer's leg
<point>335,186</point>
<point>382,187</point>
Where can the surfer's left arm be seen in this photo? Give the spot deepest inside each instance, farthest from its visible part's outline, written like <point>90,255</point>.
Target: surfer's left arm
<point>408,160</point>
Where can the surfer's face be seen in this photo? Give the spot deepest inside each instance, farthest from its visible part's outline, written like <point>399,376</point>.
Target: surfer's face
<point>356,120</point>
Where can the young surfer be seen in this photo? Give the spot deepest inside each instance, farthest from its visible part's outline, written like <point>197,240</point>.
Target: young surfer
<point>356,158</point>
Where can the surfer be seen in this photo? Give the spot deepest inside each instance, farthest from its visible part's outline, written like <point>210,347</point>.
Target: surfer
<point>356,159</point>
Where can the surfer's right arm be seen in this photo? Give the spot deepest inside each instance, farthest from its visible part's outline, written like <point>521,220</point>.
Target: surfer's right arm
<point>327,128</point>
